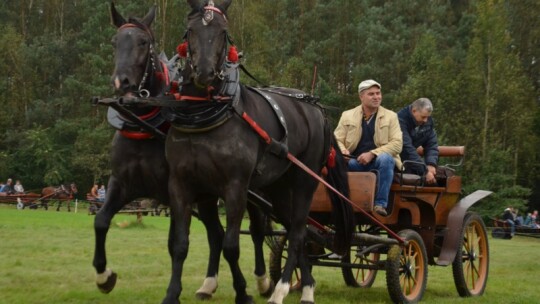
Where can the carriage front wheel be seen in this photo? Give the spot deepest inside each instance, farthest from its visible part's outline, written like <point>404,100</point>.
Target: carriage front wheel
<point>365,272</point>
<point>471,265</point>
<point>406,269</point>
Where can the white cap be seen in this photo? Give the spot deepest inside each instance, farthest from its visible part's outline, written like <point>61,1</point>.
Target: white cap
<point>366,84</point>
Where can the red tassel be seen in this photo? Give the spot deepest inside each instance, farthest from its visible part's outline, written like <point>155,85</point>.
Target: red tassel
<point>181,49</point>
<point>331,161</point>
<point>233,54</point>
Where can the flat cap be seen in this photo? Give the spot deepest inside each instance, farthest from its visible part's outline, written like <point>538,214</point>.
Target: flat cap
<point>366,84</point>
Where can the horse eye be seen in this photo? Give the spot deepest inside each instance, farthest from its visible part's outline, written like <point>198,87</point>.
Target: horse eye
<point>143,42</point>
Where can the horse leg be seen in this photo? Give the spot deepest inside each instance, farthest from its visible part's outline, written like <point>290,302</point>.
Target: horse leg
<point>68,203</point>
<point>257,226</point>
<point>208,214</point>
<point>178,243</point>
<point>235,200</point>
<point>105,277</point>
<point>300,197</point>
<point>58,206</point>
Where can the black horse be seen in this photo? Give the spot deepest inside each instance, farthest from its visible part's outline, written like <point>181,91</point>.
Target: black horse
<point>139,167</point>
<point>212,150</point>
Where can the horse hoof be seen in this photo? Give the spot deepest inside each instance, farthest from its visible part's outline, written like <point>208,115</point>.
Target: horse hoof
<point>247,299</point>
<point>306,302</point>
<point>169,300</point>
<point>108,286</point>
<point>270,290</point>
<point>203,296</point>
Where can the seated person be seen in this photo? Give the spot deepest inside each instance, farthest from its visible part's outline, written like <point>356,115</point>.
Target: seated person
<point>19,189</point>
<point>93,192</point>
<point>370,135</point>
<point>101,193</point>
<point>508,217</point>
<point>418,131</point>
<point>7,189</point>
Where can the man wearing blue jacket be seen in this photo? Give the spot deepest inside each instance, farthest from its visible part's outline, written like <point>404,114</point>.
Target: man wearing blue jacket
<point>418,131</point>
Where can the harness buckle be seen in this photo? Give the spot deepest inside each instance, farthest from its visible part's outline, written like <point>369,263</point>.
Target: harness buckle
<point>144,93</point>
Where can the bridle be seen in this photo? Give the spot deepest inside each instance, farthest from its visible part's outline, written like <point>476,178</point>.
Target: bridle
<point>229,50</point>
<point>151,65</point>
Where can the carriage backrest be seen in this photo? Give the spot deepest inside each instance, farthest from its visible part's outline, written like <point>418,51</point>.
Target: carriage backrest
<point>362,193</point>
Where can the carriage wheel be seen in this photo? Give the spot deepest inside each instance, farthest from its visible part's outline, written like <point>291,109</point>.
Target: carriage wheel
<point>360,277</point>
<point>278,258</point>
<point>406,269</point>
<point>471,265</point>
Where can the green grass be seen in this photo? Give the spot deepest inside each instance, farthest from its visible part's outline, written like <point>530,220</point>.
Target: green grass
<point>46,257</point>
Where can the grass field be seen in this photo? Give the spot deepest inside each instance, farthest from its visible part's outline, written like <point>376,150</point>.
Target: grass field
<point>46,257</point>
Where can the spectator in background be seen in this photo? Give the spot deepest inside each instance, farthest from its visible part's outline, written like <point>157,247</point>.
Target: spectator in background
<point>94,192</point>
<point>101,193</point>
<point>7,189</point>
<point>508,217</point>
<point>19,189</point>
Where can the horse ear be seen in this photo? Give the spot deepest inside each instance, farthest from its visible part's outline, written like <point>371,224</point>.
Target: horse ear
<point>194,4</point>
<point>225,4</point>
<point>116,19</point>
<point>149,18</point>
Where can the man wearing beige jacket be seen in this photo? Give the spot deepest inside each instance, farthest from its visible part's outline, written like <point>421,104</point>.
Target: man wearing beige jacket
<point>371,135</point>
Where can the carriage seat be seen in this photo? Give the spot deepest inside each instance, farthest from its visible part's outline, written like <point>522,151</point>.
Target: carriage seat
<point>362,193</point>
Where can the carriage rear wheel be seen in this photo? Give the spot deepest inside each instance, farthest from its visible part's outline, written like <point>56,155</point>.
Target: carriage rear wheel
<point>471,265</point>
<point>406,269</point>
<point>278,258</point>
<point>365,274</point>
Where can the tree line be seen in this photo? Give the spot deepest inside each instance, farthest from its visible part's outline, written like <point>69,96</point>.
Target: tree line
<point>477,60</point>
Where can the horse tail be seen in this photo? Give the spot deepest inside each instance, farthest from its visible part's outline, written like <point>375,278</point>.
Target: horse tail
<point>342,211</point>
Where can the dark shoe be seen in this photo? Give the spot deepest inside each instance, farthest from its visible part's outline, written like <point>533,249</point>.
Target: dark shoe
<point>380,210</point>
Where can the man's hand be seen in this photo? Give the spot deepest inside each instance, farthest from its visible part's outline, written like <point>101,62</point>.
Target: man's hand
<point>430,175</point>
<point>365,158</point>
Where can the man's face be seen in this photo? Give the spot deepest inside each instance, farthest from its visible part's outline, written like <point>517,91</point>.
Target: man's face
<point>420,116</point>
<point>371,98</point>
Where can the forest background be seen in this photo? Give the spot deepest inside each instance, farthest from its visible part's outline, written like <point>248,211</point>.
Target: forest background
<point>477,60</point>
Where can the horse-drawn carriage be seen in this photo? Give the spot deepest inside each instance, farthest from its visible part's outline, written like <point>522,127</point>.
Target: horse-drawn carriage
<point>432,221</point>
<point>241,144</point>
<point>56,194</point>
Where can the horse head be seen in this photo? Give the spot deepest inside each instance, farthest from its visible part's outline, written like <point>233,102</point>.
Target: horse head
<point>207,40</point>
<point>135,60</point>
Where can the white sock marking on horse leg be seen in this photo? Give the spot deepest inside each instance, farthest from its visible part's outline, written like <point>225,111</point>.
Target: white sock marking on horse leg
<point>280,292</point>
<point>263,283</point>
<point>101,278</point>
<point>307,294</point>
<point>209,286</point>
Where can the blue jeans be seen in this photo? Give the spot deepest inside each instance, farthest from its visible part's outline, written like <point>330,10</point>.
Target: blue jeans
<point>512,226</point>
<point>384,163</point>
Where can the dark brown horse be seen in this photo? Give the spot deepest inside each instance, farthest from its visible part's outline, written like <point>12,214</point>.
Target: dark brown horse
<point>139,167</point>
<point>61,194</point>
<point>227,139</point>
